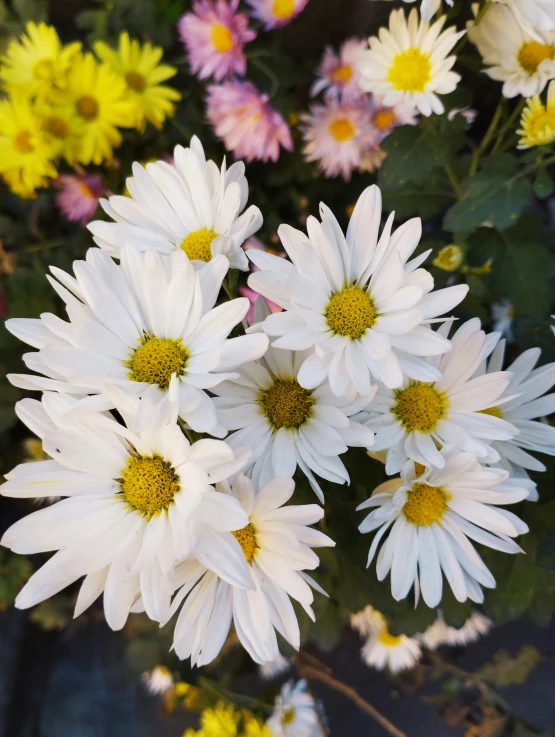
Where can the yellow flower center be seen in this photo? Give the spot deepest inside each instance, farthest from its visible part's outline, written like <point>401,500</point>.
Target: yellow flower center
<point>156,360</point>
<point>136,81</point>
<point>283,8</point>
<point>56,126</point>
<point>387,639</point>
<point>343,73</point>
<point>493,411</point>
<point>286,404</point>
<point>149,484</point>
<point>410,70</point>
<point>342,129</point>
<point>22,142</point>
<point>222,38</point>
<point>449,258</point>
<point>246,537</point>
<point>43,70</point>
<point>351,312</point>
<point>531,54</point>
<point>288,716</point>
<point>384,119</point>
<point>87,107</point>
<point>419,407</point>
<point>540,126</point>
<point>425,504</point>
<point>197,245</point>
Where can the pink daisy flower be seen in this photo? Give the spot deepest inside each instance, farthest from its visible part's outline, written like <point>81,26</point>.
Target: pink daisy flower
<point>337,75</point>
<point>78,196</point>
<point>214,35</point>
<point>385,119</point>
<point>276,13</point>
<point>245,121</point>
<point>337,136</point>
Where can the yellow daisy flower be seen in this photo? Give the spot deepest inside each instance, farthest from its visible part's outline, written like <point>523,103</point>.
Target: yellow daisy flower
<point>142,73</point>
<point>37,61</point>
<point>537,124</point>
<point>63,125</point>
<point>25,151</point>
<point>98,97</point>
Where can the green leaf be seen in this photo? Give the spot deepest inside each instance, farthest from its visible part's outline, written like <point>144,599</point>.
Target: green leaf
<point>424,201</point>
<point>511,671</point>
<point>31,9</point>
<point>543,184</point>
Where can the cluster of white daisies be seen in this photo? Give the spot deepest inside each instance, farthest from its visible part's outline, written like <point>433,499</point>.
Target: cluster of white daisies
<point>174,445</point>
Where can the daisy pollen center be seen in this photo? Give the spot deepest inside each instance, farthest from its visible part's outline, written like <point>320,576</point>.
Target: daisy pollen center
<point>246,537</point>
<point>56,126</point>
<point>425,504</point>
<point>532,53</point>
<point>419,407</point>
<point>149,484</point>
<point>156,360</point>
<point>136,81</point>
<point>351,312</point>
<point>384,119</point>
<point>410,70</point>
<point>288,716</point>
<point>387,639</point>
<point>342,129</point>
<point>286,404</point>
<point>22,141</point>
<point>87,107</point>
<point>222,38</point>
<point>43,69</point>
<point>343,73</point>
<point>197,245</point>
<point>283,8</point>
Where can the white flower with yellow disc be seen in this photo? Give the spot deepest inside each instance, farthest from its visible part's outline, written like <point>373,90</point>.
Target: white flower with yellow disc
<point>441,633</point>
<point>430,517</point>
<point>295,713</point>
<point>540,14</point>
<point>189,205</point>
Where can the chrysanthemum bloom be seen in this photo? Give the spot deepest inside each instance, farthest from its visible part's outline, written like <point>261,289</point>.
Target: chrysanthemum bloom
<point>386,118</point>
<point>140,68</point>
<point>337,135</point>
<point>526,404</point>
<point>432,514</point>
<point>540,14</point>
<point>62,125</point>
<point>355,300</point>
<point>537,123</point>
<point>396,653</point>
<point>25,149</point>
<point>214,34</point>
<point>137,502</point>
<point>188,205</point>
<point>519,56</point>
<point>409,64</point>
<point>276,13</point>
<point>245,121</point>
<point>159,680</point>
<point>37,61</point>
<point>141,326</point>
<point>440,633</point>
<point>99,97</point>
<point>79,196</point>
<point>272,550</point>
<point>502,316</point>
<point>338,75</point>
<point>295,713</point>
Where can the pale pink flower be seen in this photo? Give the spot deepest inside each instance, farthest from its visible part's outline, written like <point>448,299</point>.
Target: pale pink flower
<point>337,136</point>
<point>214,35</point>
<point>337,75</point>
<point>78,196</point>
<point>385,119</point>
<point>245,121</point>
<point>275,13</point>
<point>372,159</point>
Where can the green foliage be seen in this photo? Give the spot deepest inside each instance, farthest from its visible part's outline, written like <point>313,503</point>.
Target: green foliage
<point>14,571</point>
<point>505,670</point>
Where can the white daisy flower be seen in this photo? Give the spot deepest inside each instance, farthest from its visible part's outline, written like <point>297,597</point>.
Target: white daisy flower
<point>136,504</point>
<point>540,14</point>
<point>189,205</point>
<point>295,713</point>
<point>515,53</point>
<point>275,549</point>
<point>275,668</point>
<point>412,421</point>
<point>394,652</point>
<point>135,325</point>
<point>158,681</point>
<point>526,403</point>
<point>428,8</point>
<point>503,314</point>
<point>408,62</point>
<point>431,515</point>
<point>440,633</point>
<point>367,621</point>
<point>354,300</point>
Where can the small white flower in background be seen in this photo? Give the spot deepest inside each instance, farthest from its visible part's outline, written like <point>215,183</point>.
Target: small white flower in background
<point>190,205</point>
<point>271,551</point>
<point>468,113</point>
<point>275,668</point>
<point>503,314</point>
<point>526,404</point>
<point>440,633</point>
<point>540,14</point>
<point>295,713</point>
<point>337,75</point>
<point>355,300</point>
<point>515,53</point>
<point>367,621</point>
<point>159,680</point>
<point>410,422</point>
<point>394,652</point>
<point>136,325</point>
<point>430,517</point>
<point>408,62</point>
<point>137,501</point>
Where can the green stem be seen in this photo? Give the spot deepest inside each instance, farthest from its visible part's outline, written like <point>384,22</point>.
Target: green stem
<point>181,128</point>
<point>265,69</point>
<point>34,247</point>
<point>487,138</point>
<point>506,128</point>
<point>453,179</point>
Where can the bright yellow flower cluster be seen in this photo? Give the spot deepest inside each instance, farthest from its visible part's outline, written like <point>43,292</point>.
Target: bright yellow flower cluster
<point>224,721</point>
<point>537,124</point>
<point>65,103</point>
